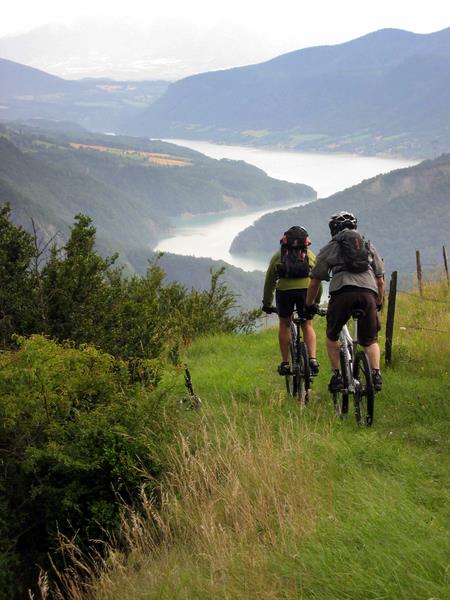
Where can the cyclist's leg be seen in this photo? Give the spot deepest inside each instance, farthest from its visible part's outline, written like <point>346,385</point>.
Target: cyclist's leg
<point>285,305</point>
<point>368,327</point>
<point>373,353</point>
<point>309,335</point>
<point>339,311</point>
<point>333,353</point>
<point>284,337</point>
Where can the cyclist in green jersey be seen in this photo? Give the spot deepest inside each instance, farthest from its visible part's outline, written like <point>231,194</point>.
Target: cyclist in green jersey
<point>290,293</point>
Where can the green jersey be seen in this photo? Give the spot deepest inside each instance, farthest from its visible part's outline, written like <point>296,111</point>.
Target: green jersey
<point>273,281</point>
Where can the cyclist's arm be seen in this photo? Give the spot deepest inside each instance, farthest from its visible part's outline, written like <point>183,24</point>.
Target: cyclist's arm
<point>380,286</point>
<point>271,280</point>
<point>378,269</point>
<point>313,291</point>
<point>319,273</point>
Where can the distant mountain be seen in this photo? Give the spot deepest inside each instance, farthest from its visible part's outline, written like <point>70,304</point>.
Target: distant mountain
<point>20,80</point>
<point>401,212</point>
<point>133,189</point>
<point>160,49</point>
<point>386,92</point>
<point>96,104</point>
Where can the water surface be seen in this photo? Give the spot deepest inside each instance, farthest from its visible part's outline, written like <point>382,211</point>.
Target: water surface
<point>211,236</point>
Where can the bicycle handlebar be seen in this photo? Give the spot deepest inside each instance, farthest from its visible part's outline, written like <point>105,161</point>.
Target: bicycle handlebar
<point>320,311</point>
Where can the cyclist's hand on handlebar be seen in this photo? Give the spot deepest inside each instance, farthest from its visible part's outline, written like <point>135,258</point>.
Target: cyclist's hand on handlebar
<point>269,309</point>
<point>314,309</point>
<point>310,311</point>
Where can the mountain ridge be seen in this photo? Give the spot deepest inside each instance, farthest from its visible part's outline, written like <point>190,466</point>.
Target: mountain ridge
<point>133,190</point>
<point>332,92</point>
<point>402,211</point>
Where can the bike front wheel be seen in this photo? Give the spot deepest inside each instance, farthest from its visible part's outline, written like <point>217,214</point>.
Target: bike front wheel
<point>364,392</point>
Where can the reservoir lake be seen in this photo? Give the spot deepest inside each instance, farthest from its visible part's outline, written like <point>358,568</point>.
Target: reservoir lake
<point>211,236</point>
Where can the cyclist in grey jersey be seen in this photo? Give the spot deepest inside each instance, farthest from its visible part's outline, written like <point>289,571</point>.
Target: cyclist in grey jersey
<point>349,291</point>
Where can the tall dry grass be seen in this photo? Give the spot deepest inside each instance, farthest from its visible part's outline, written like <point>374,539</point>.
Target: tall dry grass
<point>265,501</point>
<point>231,496</point>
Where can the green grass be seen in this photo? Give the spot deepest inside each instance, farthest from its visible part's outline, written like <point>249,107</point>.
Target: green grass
<point>268,500</point>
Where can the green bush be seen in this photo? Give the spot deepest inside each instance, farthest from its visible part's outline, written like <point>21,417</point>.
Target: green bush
<point>76,434</point>
<point>81,426</point>
<point>80,296</point>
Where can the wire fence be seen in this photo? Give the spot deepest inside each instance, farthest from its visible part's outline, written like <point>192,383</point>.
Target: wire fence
<point>419,297</point>
<point>406,327</point>
<point>393,291</point>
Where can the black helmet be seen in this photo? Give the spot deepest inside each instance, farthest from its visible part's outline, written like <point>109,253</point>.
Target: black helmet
<point>342,220</point>
<point>296,231</point>
<point>296,236</point>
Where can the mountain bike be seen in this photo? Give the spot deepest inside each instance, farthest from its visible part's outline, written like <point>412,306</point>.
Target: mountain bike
<point>299,379</point>
<point>357,376</point>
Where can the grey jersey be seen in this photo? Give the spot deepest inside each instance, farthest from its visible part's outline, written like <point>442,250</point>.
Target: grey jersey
<point>330,256</point>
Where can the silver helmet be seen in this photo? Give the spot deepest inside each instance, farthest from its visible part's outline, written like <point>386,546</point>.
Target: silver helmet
<point>342,220</point>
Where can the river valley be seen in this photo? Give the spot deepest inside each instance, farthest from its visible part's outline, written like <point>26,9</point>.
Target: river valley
<point>211,236</point>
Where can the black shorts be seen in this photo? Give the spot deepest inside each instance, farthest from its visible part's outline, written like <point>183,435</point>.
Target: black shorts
<point>340,308</point>
<point>287,300</point>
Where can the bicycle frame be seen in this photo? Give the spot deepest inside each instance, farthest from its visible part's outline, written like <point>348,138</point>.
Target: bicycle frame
<point>300,383</point>
<point>356,374</point>
<point>348,346</point>
<point>299,378</point>
<point>296,332</point>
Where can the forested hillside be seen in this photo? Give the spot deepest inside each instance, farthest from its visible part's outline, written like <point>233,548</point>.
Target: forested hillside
<point>133,189</point>
<point>400,212</point>
<point>386,92</point>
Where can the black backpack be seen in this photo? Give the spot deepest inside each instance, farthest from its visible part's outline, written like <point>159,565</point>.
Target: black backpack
<point>294,262</point>
<point>355,251</point>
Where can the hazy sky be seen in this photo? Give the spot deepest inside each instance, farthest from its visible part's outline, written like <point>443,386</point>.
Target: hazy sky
<point>173,38</point>
<point>303,23</point>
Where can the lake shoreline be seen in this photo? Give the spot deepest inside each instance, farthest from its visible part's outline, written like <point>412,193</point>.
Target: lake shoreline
<point>281,148</point>
<point>211,235</point>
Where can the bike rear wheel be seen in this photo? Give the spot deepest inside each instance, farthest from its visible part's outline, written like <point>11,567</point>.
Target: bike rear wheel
<point>340,399</point>
<point>291,379</point>
<point>298,382</point>
<point>304,374</point>
<point>364,393</point>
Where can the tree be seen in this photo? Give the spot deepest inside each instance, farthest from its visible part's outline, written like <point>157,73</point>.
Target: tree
<point>16,281</point>
<point>76,287</point>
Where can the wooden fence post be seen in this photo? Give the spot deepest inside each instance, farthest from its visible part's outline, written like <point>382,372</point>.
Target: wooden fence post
<point>390,318</point>
<point>444,252</point>
<point>419,272</point>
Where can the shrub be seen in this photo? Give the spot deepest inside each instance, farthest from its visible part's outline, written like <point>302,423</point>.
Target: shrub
<point>76,434</point>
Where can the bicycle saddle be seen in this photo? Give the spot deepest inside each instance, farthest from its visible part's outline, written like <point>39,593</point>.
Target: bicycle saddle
<point>357,313</point>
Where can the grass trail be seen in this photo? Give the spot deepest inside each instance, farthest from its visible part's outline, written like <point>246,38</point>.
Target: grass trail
<point>266,500</point>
